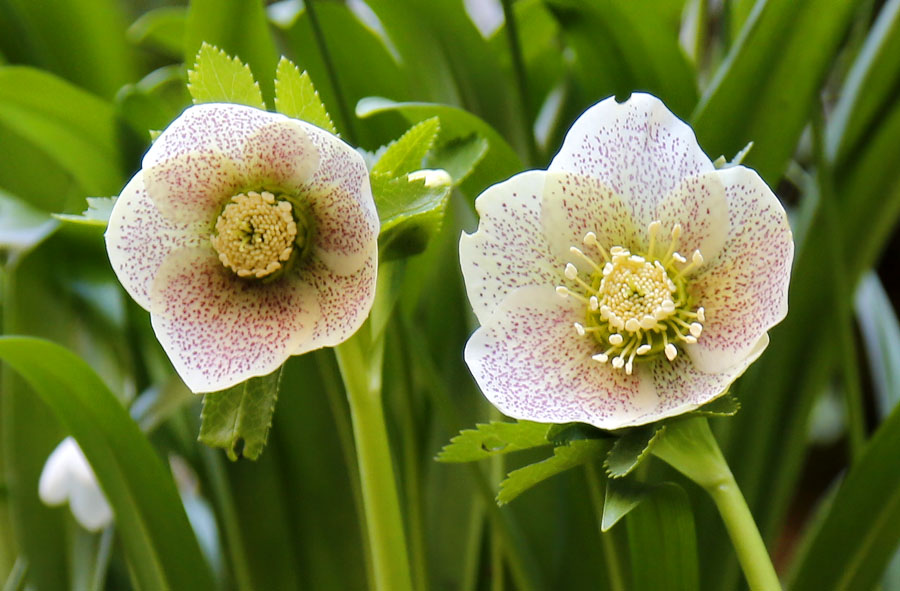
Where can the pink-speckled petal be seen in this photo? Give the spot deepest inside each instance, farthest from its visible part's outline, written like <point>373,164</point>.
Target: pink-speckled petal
<point>341,204</point>
<point>531,364</point>
<point>280,156</point>
<point>744,289</point>
<point>192,187</point>
<point>574,205</point>
<point>139,237</point>
<point>344,301</point>
<point>508,251</point>
<point>210,127</point>
<point>638,148</point>
<point>699,205</point>
<point>680,386</point>
<point>219,330</point>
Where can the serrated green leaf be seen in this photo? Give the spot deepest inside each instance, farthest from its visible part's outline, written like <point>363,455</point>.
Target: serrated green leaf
<point>218,78</point>
<point>407,153</point>
<point>631,448</point>
<point>238,419</point>
<point>492,439</point>
<point>97,213</point>
<point>561,434</point>
<point>459,156</point>
<point>411,212</point>
<point>723,406</point>
<point>295,96</point>
<point>564,457</point>
<point>622,496</point>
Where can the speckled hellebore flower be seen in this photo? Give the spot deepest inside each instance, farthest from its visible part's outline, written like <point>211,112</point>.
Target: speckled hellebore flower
<point>68,478</point>
<point>629,282</point>
<point>250,237</point>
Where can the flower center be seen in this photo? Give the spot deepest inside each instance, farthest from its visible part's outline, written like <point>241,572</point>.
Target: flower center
<point>256,234</point>
<point>636,305</point>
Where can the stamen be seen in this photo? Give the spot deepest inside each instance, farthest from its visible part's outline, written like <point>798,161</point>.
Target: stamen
<point>632,325</point>
<point>671,352</point>
<point>590,239</point>
<point>616,339</point>
<point>571,271</point>
<point>701,314</point>
<point>618,362</point>
<point>696,329</point>
<point>652,229</point>
<point>579,328</point>
<point>643,349</point>
<point>594,303</point>
<point>579,253</point>
<point>678,257</point>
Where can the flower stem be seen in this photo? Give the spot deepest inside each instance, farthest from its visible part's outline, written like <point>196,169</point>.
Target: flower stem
<point>387,538</point>
<point>343,107</point>
<point>610,552</point>
<point>688,446</point>
<point>515,50</point>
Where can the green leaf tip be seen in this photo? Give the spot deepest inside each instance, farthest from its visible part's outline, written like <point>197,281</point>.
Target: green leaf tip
<point>97,213</point>
<point>295,96</point>
<point>631,448</point>
<point>238,419</point>
<point>492,439</point>
<point>406,153</point>
<point>564,457</point>
<point>723,406</point>
<point>219,78</point>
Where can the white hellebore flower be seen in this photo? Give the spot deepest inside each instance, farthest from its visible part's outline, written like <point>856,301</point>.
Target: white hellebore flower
<point>629,282</point>
<point>67,477</point>
<point>250,237</point>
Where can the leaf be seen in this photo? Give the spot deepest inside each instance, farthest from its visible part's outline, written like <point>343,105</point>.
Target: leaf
<point>723,406</point>
<point>631,448</point>
<point>564,457</point>
<point>406,153</point>
<point>852,547</point>
<point>162,29</point>
<point>295,96</point>
<point>663,542</point>
<point>162,550</point>
<point>411,209</point>
<point>21,226</point>
<point>238,419</point>
<point>622,496</point>
<point>881,337</point>
<point>97,214</point>
<point>158,404</point>
<point>218,78</point>
<point>492,439</point>
<point>459,156</point>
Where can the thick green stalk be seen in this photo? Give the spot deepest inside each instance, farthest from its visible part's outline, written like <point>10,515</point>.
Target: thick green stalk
<point>688,446</point>
<point>387,538</point>
<point>610,552</point>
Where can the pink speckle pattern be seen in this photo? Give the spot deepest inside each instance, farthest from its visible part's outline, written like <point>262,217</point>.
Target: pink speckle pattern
<point>744,290</point>
<point>509,250</point>
<point>531,364</point>
<point>280,155</point>
<point>219,331</point>
<point>139,238</point>
<point>699,206</point>
<point>638,148</point>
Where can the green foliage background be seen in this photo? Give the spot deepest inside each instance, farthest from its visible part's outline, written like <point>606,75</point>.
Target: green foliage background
<point>814,84</point>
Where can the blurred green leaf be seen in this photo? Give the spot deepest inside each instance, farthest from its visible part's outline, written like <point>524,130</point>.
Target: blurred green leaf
<point>852,547</point>
<point>162,29</point>
<point>97,213</point>
<point>158,404</point>
<point>881,337</point>
<point>21,226</point>
<point>493,439</point>
<point>564,457</point>
<point>411,210</point>
<point>75,128</point>
<point>663,542</point>
<point>238,419</point>
<point>295,96</point>
<point>622,496</point>
<point>237,27</point>
<point>155,532</point>
<point>218,78</point>
<point>156,100</point>
<point>458,157</point>
<point>723,406</point>
<point>406,153</point>
<point>630,449</point>
<point>777,65</point>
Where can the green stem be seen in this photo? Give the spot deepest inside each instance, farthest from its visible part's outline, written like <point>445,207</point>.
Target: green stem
<point>610,552</point>
<point>387,539</point>
<point>319,36</point>
<point>688,446</point>
<point>515,50</point>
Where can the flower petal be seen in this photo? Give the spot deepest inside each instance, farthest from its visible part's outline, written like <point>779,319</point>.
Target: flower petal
<point>67,476</point>
<point>90,507</point>
<point>638,148</point>
<point>531,364</point>
<point>341,203</point>
<point>744,289</point>
<point>139,237</point>
<point>574,205</point>
<point>681,387</point>
<point>280,155</point>
<point>508,250</point>
<point>699,206</point>
<point>219,330</point>
<point>344,300</point>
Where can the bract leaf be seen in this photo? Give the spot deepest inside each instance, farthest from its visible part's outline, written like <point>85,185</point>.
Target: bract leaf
<point>218,78</point>
<point>622,496</point>
<point>492,439</point>
<point>238,419</point>
<point>723,406</point>
<point>295,96</point>
<point>411,210</point>
<point>97,213</point>
<point>406,153</point>
<point>631,448</point>
<point>563,458</point>
<point>459,156</point>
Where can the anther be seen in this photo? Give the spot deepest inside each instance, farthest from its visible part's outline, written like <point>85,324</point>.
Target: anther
<point>594,303</point>
<point>632,325</point>
<point>701,314</point>
<point>616,339</point>
<point>696,329</point>
<point>601,357</point>
<point>571,271</point>
<point>671,352</point>
<point>579,328</point>
<point>643,349</point>
<point>678,257</point>
<point>618,362</point>
<point>648,322</point>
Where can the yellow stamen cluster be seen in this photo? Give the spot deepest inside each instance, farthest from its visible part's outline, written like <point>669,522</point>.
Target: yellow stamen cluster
<point>255,234</point>
<point>637,307</point>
